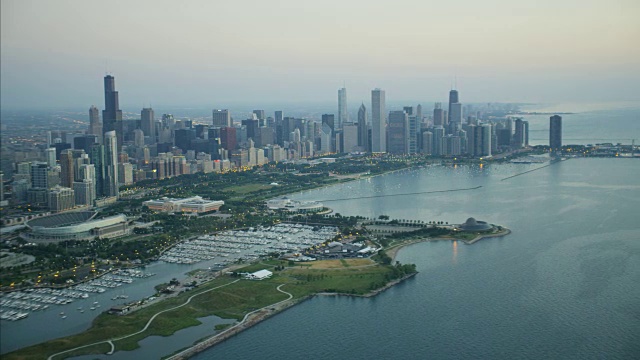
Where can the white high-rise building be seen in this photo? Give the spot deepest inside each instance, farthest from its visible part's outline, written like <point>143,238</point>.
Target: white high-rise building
<point>343,114</point>
<point>111,164</point>
<point>50,155</point>
<point>349,137</point>
<point>61,198</point>
<point>125,174</point>
<point>378,121</point>
<point>486,139</point>
<point>84,192</point>
<point>325,139</point>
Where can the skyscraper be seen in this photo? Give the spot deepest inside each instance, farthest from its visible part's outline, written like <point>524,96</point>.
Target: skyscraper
<point>438,115</point>
<point>147,123</point>
<point>343,114</point>
<point>438,136</point>
<point>50,155</point>
<point>221,118</point>
<point>66,168</point>
<point>110,164</point>
<point>397,132</point>
<point>378,121</point>
<point>427,142</point>
<point>278,116</point>
<point>329,120</point>
<point>555,133</point>
<point>112,115</point>
<point>39,175</point>
<point>85,142</point>
<point>419,115</point>
<point>61,199</point>
<point>95,125</point>
<point>349,137</point>
<point>363,129</point>
<point>455,114</point>
<point>412,135</point>
<point>260,115</point>
<point>519,136</point>
<point>453,98</point>
<point>97,159</point>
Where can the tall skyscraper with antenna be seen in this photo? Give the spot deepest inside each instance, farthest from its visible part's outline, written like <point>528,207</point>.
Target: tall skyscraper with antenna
<point>343,114</point>
<point>112,115</point>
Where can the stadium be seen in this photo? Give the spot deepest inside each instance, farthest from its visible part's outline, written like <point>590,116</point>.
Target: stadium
<point>79,225</point>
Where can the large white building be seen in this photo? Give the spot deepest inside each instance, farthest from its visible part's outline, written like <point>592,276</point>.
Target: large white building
<point>75,226</point>
<point>194,204</point>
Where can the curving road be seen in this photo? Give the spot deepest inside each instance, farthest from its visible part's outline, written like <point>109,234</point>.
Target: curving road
<point>110,341</point>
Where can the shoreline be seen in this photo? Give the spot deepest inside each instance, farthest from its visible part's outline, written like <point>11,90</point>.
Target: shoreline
<point>266,312</point>
<point>392,252</point>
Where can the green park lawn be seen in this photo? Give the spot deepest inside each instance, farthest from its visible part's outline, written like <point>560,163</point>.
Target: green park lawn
<point>230,302</point>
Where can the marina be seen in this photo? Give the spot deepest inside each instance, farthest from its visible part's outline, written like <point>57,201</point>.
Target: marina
<point>17,305</point>
<point>234,245</point>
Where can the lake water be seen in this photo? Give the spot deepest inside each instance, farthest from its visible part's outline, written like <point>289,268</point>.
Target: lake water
<point>564,284</point>
<point>590,124</point>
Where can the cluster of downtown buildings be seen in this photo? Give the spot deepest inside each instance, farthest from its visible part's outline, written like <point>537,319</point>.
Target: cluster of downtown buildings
<point>87,168</point>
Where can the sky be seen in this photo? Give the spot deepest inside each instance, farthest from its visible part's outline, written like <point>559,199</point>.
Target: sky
<point>213,53</point>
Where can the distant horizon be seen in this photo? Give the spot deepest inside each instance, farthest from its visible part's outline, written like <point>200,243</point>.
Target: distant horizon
<point>55,53</point>
<point>246,106</point>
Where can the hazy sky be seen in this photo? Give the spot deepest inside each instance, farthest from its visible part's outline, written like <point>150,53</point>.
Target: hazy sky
<point>55,53</point>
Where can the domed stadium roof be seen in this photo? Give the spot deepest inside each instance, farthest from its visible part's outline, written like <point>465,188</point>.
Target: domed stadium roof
<point>62,219</point>
<point>80,225</point>
<point>474,225</point>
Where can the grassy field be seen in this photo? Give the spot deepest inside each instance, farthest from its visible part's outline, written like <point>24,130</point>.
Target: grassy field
<point>245,189</point>
<point>335,264</point>
<point>231,302</point>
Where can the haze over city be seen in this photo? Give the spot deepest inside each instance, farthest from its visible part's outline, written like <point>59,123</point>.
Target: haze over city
<point>202,53</point>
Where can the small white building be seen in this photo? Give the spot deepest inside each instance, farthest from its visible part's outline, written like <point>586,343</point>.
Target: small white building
<point>259,275</point>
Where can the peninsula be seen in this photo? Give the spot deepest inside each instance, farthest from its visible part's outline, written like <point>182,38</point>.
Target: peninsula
<point>231,294</point>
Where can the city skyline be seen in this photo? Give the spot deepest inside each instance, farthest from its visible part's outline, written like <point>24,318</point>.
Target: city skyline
<point>499,52</point>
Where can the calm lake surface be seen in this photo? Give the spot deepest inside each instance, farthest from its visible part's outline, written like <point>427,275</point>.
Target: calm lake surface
<point>564,284</point>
